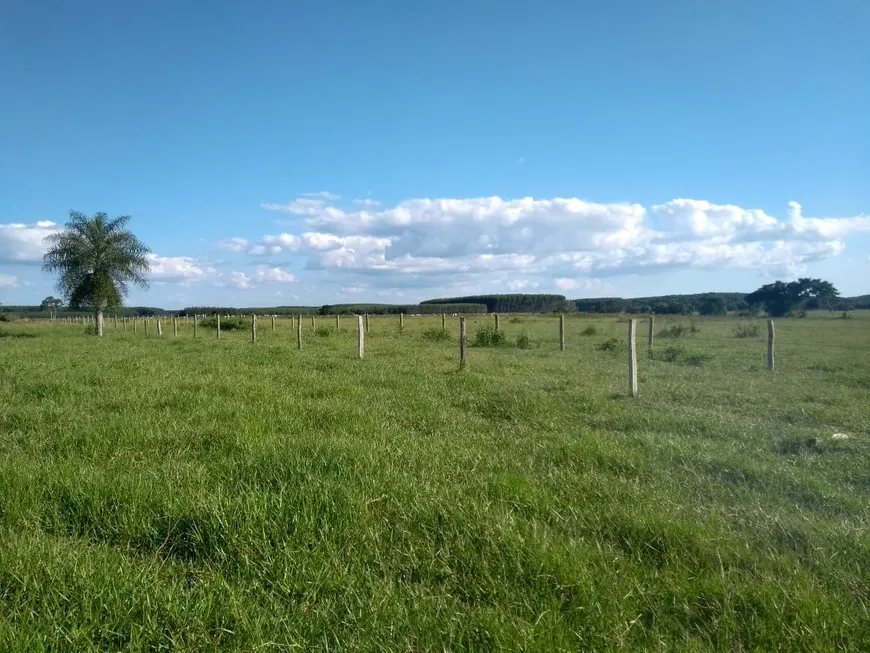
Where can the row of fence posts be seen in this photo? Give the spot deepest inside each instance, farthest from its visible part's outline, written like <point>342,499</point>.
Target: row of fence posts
<point>363,327</point>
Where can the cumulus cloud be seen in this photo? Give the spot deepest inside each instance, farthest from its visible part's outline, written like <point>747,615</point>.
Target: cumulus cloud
<point>234,244</point>
<point>8,281</point>
<point>179,268</point>
<point>367,202</point>
<point>262,274</point>
<point>323,195</point>
<point>23,243</point>
<point>568,239</point>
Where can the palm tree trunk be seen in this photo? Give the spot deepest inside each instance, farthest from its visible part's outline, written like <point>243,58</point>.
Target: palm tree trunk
<point>99,323</point>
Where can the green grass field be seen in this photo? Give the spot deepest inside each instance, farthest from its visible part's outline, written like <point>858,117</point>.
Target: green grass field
<point>201,494</point>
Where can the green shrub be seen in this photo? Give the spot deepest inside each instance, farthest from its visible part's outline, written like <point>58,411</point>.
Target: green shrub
<point>845,315</point>
<point>227,323</point>
<point>678,331</point>
<point>324,331</point>
<point>591,330</point>
<point>11,334</point>
<point>436,334</point>
<point>747,331</point>
<point>680,356</point>
<point>614,344</point>
<point>487,336</point>
<point>5,318</point>
<point>523,341</point>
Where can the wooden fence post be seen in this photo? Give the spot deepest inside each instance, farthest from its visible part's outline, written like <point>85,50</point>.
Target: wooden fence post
<point>367,322</point>
<point>401,322</point>
<point>337,322</point>
<point>361,338</point>
<point>770,339</point>
<point>253,327</point>
<point>652,322</point>
<point>134,325</point>
<point>443,320</point>
<point>632,358</point>
<point>195,326</point>
<point>273,324</point>
<point>175,327</point>
<point>463,344</point>
<point>313,322</point>
<point>496,322</point>
<point>145,320</point>
<point>299,334</point>
<point>124,321</point>
<point>218,326</point>
<point>116,320</point>
<point>159,327</point>
<point>561,333</point>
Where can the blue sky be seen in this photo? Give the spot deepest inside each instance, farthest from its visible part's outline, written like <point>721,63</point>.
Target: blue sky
<point>318,152</point>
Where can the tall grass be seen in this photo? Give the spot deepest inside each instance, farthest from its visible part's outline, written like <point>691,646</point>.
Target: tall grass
<point>181,494</point>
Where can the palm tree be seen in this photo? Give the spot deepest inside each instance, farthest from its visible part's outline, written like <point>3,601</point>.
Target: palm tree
<point>97,260</point>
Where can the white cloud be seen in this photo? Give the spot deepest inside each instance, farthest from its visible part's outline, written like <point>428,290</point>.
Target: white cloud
<point>367,202</point>
<point>262,274</point>
<point>323,195</point>
<point>8,281</point>
<point>521,284</point>
<point>179,268</point>
<point>558,237</point>
<point>21,243</point>
<point>234,244</point>
<point>240,280</point>
<point>273,274</point>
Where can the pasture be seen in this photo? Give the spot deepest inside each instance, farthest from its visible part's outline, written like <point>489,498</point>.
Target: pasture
<point>202,494</point>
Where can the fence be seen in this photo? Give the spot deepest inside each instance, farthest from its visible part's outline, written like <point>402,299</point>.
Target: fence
<point>363,327</point>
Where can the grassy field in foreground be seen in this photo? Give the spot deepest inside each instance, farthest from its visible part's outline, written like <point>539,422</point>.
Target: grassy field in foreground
<point>203,494</point>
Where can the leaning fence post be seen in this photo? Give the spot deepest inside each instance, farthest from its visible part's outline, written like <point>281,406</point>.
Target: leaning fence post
<point>313,322</point>
<point>463,344</point>
<point>159,327</point>
<point>770,339</point>
<point>632,358</point>
<point>299,334</point>
<point>561,333</point>
<point>652,322</point>
<point>253,327</point>
<point>361,338</point>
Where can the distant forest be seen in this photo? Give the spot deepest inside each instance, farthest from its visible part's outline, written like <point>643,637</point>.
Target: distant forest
<point>703,303</point>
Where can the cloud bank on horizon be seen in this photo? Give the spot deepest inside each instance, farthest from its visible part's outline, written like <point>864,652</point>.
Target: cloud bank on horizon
<point>452,246</point>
